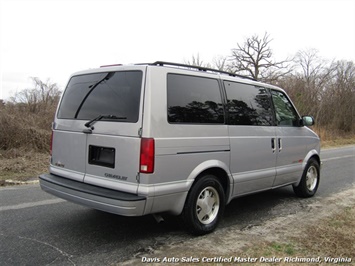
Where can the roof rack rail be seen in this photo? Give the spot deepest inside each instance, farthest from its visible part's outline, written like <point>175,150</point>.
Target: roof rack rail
<point>200,68</point>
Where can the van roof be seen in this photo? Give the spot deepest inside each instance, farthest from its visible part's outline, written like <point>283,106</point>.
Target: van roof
<point>199,68</point>
<point>113,67</point>
<point>185,66</point>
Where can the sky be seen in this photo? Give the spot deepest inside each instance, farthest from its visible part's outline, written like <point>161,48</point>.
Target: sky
<point>51,39</point>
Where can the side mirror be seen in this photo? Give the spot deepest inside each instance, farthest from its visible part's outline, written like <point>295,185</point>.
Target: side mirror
<point>308,120</point>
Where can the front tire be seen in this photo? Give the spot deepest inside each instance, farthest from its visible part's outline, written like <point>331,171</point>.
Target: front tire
<point>310,180</point>
<point>204,206</point>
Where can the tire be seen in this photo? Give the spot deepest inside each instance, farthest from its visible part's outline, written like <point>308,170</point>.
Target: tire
<point>310,180</point>
<point>204,206</point>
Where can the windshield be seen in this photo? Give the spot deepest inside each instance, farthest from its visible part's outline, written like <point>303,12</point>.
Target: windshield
<point>113,93</point>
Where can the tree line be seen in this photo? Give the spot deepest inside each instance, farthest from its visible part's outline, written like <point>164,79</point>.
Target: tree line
<point>318,87</point>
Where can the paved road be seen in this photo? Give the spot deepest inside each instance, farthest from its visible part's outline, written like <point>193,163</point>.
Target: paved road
<point>38,229</point>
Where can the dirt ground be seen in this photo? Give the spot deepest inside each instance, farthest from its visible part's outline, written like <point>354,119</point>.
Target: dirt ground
<point>281,241</point>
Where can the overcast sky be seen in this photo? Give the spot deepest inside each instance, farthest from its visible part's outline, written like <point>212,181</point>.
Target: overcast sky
<point>52,39</point>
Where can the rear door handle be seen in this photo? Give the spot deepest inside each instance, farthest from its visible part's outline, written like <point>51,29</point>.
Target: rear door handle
<point>280,144</point>
<point>273,144</point>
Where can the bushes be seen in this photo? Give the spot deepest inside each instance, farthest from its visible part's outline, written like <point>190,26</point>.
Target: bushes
<point>22,129</point>
<point>25,121</point>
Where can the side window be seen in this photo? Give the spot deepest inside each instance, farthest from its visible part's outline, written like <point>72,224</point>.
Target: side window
<point>194,100</point>
<point>286,114</point>
<point>248,104</point>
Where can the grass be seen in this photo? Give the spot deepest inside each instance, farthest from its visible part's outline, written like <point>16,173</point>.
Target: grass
<point>21,165</point>
<point>333,138</point>
<point>332,237</point>
<point>338,142</point>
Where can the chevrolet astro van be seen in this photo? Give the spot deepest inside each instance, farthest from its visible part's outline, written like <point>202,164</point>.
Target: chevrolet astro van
<point>172,138</point>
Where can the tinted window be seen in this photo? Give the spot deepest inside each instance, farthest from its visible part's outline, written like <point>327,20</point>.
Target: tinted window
<point>110,93</point>
<point>194,100</point>
<point>248,105</point>
<point>286,115</point>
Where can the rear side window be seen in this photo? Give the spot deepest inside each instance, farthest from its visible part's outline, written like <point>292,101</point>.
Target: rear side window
<point>248,105</point>
<point>194,100</point>
<point>109,93</point>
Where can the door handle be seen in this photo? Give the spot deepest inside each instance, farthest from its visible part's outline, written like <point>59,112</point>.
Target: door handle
<point>280,144</point>
<point>273,145</point>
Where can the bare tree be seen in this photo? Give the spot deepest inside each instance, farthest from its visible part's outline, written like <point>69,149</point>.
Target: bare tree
<point>339,97</point>
<point>196,61</point>
<point>255,58</point>
<point>324,89</point>
<point>314,69</point>
<point>220,63</point>
<point>40,97</point>
<point>315,74</point>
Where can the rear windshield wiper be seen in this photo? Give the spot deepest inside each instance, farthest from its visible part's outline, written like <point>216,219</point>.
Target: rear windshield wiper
<point>100,117</point>
<point>92,87</point>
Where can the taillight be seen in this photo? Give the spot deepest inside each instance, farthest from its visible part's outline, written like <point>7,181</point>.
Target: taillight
<point>51,145</point>
<point>147,156</point>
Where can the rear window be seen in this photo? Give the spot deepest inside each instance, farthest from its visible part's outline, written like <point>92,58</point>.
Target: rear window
<point>108,93</point>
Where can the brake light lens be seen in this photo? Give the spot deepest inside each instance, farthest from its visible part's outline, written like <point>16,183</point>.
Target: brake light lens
<point>147,155</point>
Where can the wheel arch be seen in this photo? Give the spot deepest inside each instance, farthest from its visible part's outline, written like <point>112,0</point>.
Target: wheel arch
<point>216,168</point>
<point>313,154</point>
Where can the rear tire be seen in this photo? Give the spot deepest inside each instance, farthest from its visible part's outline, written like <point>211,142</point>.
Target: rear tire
<point>310,180</point>
<point>204,206</point>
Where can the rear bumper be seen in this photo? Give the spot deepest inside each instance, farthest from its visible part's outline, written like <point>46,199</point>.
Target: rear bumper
<point>104,199</point>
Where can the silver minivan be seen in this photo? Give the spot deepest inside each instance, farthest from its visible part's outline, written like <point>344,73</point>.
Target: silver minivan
<point>171,138</point>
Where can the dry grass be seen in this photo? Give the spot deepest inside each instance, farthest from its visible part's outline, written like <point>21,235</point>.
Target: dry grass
<point>331,237</point>
<point>338,142</point>
<point>333,138</point>
<point>21,165</point>
<point>334,236</point>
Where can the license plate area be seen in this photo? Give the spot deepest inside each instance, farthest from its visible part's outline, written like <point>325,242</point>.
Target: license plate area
<point>102,156</point>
